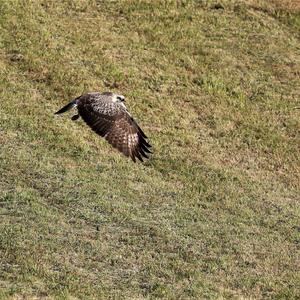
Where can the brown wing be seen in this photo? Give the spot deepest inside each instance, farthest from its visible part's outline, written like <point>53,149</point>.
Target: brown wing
<point>119,129</point>
<point>127,137</point>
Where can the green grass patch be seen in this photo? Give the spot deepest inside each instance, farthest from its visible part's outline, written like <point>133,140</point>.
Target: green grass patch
<point>214,213</point>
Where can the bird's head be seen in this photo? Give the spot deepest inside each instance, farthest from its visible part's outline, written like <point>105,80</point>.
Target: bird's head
<point>118,98</point>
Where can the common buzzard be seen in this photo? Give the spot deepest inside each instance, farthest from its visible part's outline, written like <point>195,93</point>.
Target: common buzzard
<point>108,116</point>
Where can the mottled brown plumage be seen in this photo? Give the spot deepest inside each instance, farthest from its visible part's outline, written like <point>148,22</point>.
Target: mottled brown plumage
<point>107,115</point>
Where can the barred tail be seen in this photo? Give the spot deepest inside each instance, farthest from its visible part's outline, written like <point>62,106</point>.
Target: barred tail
<point>66,107</point>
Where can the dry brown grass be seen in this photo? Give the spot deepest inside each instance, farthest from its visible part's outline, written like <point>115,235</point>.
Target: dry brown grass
<point>291,5</point>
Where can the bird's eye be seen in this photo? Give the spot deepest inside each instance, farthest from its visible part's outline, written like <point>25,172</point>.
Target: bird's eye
<point>120,98</point>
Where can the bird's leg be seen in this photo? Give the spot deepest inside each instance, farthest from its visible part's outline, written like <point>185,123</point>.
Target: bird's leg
<point>75,117</point>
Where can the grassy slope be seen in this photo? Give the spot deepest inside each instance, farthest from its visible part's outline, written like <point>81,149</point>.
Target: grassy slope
<point>214,212</point>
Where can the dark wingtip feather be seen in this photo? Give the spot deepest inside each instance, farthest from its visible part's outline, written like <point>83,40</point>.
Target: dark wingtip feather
<point>132,157</point>
<point>143,146</point>
<point>143,153</point>
<point>75,117</point>
<point>139,156</point>
<point>142,133</point>
<point>66,107</point>
<point>144,142</point>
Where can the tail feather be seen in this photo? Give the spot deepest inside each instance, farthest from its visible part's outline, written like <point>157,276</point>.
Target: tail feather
<point>66,107</point>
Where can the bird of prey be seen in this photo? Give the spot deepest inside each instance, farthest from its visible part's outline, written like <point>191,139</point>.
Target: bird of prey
<point>108,116</point>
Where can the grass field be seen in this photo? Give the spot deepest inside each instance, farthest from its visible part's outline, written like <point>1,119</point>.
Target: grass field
<point>214,213</point>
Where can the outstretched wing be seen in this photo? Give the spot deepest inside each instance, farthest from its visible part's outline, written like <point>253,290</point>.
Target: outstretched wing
<point>112,121</point>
